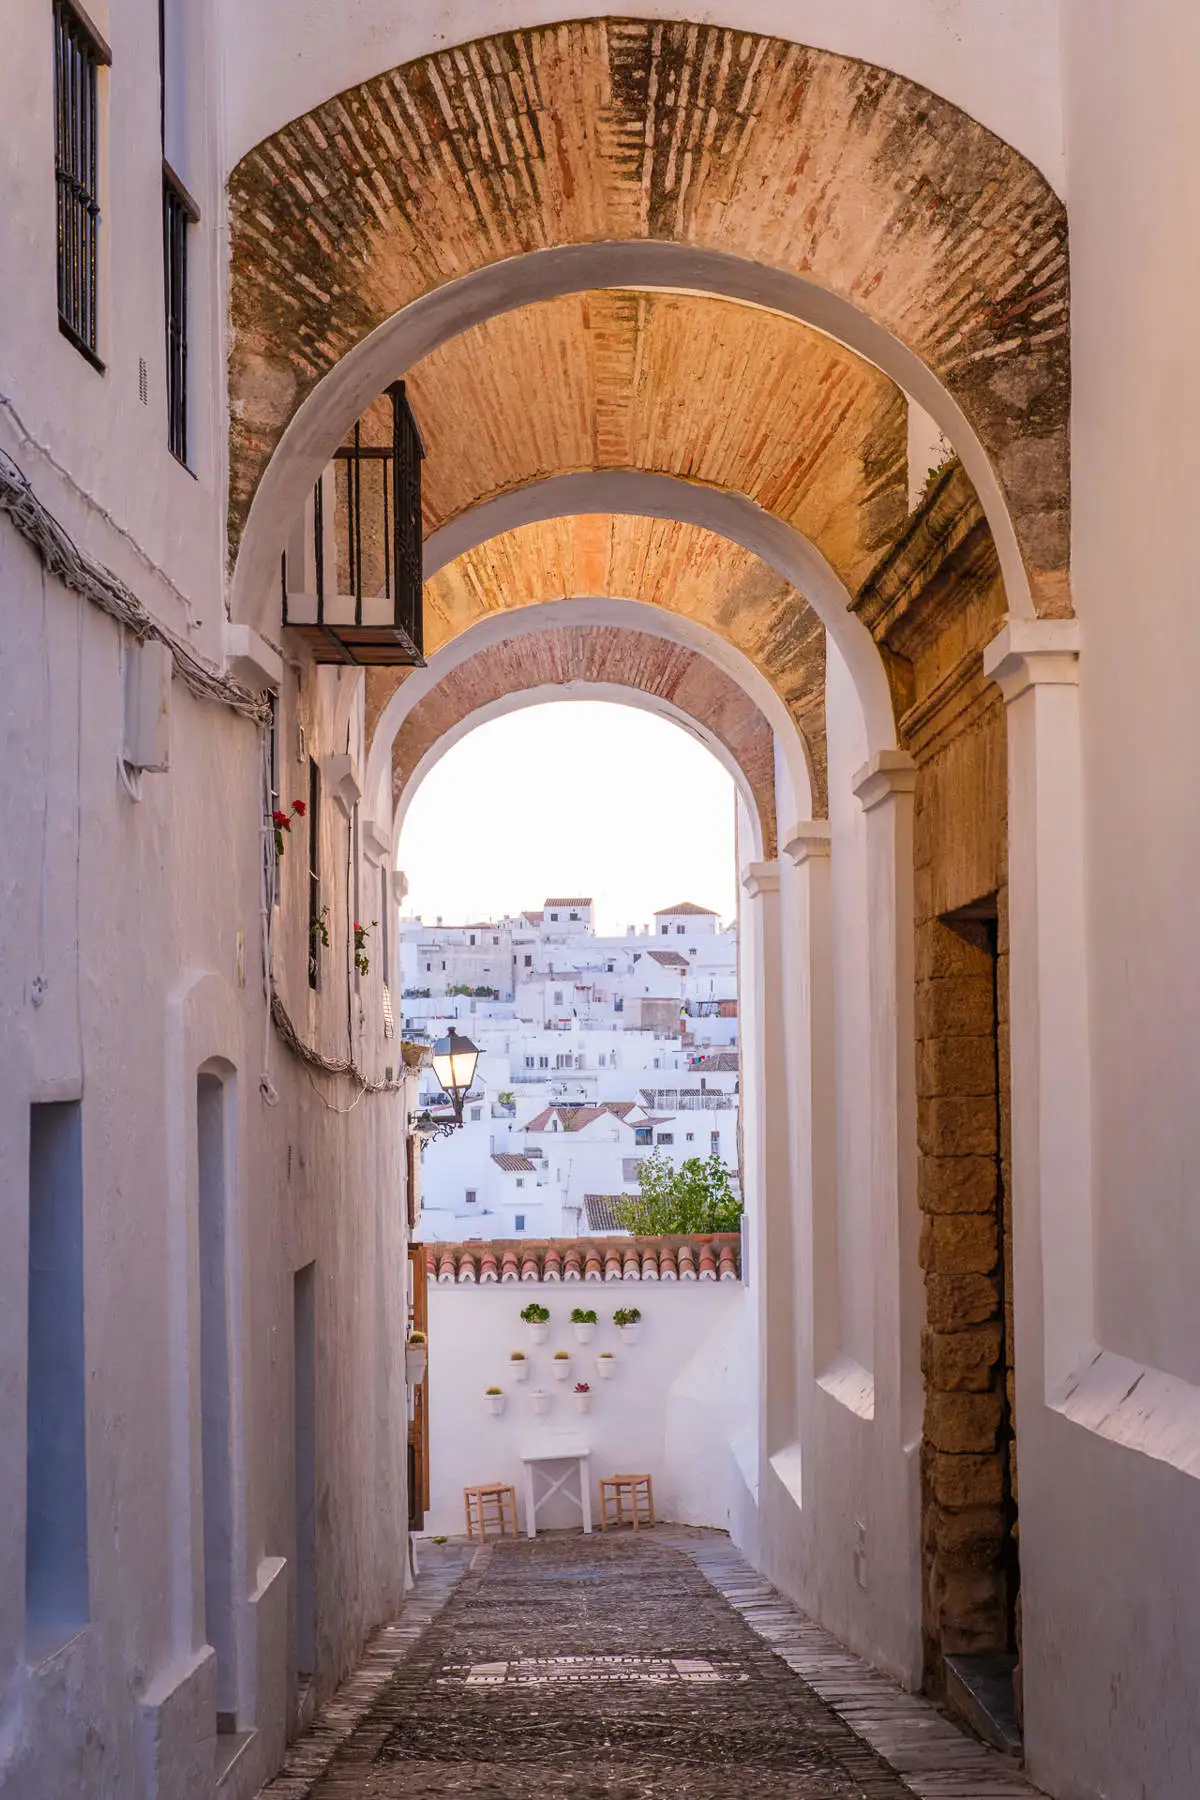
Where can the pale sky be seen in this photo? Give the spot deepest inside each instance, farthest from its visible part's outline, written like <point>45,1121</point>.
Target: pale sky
<point>578,797</point>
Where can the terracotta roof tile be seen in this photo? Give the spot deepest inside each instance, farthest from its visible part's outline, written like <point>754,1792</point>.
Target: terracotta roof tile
<point>513,1165</point>
<point>670,959</point>
<point>687,906</point>
<point>588,1259</point>
<point>586,900</point>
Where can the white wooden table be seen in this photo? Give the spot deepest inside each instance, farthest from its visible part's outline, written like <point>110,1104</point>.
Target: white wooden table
<point>571,1454</point>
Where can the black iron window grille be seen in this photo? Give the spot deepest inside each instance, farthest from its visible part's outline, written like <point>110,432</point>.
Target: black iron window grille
<point>79,53</point>
<point>364,601</point>
<point>179,214</point>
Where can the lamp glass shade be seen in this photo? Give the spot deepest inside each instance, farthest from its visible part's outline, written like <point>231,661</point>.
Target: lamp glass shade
<point>454,1060</point>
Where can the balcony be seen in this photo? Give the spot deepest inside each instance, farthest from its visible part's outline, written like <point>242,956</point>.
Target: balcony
<point>352,575</point>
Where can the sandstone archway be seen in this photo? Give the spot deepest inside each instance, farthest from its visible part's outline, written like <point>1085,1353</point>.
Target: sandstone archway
<point>469,182</point>
<point>572,661</point>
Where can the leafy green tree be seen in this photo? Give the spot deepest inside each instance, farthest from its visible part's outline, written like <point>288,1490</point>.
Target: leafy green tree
<point>696,1196</point>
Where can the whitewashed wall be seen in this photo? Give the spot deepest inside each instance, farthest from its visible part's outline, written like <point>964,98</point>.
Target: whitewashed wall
<point>669,1409</point>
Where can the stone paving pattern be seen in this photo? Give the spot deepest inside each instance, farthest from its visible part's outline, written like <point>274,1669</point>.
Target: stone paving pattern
<point>637,1668</point>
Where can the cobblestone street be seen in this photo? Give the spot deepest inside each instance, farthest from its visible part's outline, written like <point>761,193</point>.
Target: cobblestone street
<point>636,1668</point>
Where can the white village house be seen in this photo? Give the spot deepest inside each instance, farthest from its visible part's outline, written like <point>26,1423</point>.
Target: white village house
<point>594,1051</point>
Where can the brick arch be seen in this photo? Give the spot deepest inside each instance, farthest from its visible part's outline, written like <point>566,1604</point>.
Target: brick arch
<point>803,427</point>
<point>681,568</point>
<point>591,657</point>
<point>851,181</point>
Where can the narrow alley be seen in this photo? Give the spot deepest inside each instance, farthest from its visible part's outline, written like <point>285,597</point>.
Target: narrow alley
<point>651,1667</point>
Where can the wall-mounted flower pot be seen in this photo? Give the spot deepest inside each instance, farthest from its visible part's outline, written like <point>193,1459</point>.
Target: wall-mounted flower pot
<point>561,1366</point>
<point>605,1365</point>
<point>584,1333</point>
<point>539,1399</point>
<point>494,1403</point>
<point>538,1333</point>
<point>416,1358</point>
<point>583,1402</point>
<point>519,1370</point>
<point>630,1333</point>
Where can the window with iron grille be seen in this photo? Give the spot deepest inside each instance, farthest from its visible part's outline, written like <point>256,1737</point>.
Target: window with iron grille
<point>179,214</point>
<point>79,53</point>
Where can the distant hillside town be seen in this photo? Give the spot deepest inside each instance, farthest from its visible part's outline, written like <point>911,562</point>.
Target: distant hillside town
<point>595,1051</point>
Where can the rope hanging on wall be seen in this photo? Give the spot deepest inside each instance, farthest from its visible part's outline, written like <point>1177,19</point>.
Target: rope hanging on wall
<point>62,557</point>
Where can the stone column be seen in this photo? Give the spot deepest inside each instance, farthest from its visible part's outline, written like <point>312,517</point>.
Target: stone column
<point>885,787</point>
<point>766,1139</point>
<point>1035,663</point>
<point>813,1096</point>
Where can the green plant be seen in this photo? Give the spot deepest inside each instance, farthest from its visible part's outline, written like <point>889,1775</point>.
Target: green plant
<point>627,1315</point>
<point>282,821</point>
<point>505,1097</point>
<point>516,1356</point>
<point>319,929</point>
<point>580,1317</point>
<point>417,1337</point>
<point>534,1314</point>
<point>493,1390</point>
<point>696,1196</point>
<point>562,1356</point>
<point>606,1355</point>
<point>443,1539</point>
<point>361,933</point>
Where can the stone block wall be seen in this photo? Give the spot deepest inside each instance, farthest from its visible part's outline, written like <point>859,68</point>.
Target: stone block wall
<point>933,604</point>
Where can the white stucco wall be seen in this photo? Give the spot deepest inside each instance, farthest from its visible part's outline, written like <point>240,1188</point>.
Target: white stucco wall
<point>997,59</point>
<point>669,1409</point>
<point>131,959</point>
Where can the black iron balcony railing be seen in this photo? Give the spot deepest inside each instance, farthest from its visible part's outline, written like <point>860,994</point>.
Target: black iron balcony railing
<point>352,576</point>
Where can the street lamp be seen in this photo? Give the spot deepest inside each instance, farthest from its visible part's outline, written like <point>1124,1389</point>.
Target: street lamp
<point>454,1061</point>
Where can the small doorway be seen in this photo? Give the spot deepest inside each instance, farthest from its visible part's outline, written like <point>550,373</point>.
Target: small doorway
<point>970,1548</point>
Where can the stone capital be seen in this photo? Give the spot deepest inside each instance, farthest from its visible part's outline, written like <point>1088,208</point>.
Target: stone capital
<point>888,773</point>
<point>807,840</point>
<point>1029,653</point>
<point>377,846</point>
<point>761,878</point>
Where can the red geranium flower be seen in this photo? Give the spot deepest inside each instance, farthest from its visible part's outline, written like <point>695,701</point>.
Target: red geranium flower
<point>281,821</point>
<point>298,806</point>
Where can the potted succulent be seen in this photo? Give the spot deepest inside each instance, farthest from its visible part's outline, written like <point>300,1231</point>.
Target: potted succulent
<point>628,1320</point>
<point>520,1368</point>
<point>606,1362</point>
<point>583,1323</point>
<point>582,1397</point>
<point>493,1399</point>
<point>537,1319</point>
<point>539,1399</point>
<point>561,1364</point>
<point>416,1357</point>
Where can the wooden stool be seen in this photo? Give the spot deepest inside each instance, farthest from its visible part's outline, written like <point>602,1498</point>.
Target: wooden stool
<point>492,1504</point>
<point>638,1487</point>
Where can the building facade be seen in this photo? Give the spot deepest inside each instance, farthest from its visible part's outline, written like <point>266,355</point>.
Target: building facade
<point>687,313</point>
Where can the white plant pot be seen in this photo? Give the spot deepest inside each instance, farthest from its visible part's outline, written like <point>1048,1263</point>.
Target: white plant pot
<point>583,1402</point>
<point>584,1333</point>
<point>519,1371</point>
<point>562,1367</point>
<point>538,1333</point>
<point>416,1358</point>
<point>539,1399</point>
<point>494,1403</point>
<point>605,1366</point>
<point>629,1333</point>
